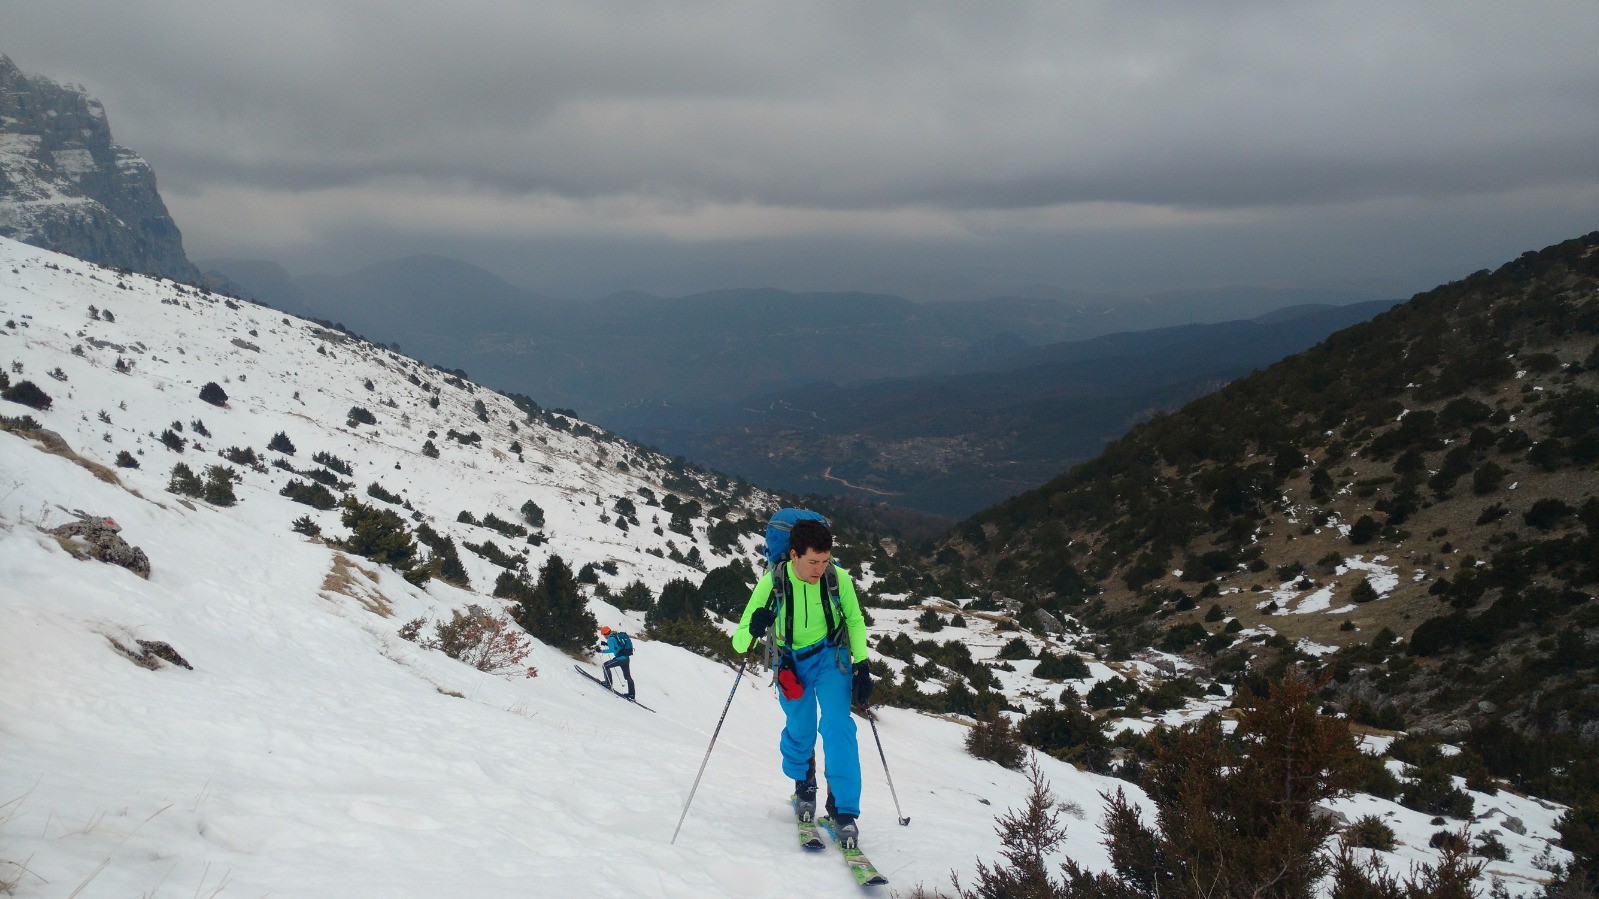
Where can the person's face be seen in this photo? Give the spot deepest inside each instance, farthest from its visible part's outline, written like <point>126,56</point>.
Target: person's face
<point>811,566</point>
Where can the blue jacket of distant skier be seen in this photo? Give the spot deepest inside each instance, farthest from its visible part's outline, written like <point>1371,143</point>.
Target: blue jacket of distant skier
<point>621,648</point>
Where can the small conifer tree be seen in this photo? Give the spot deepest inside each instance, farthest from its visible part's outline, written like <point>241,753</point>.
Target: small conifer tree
<point>219,485</point>
<point>184,482</point>
<point>28,394</point>
<point>994,738</point>
<point>377,534</point>
<point>213,393</point>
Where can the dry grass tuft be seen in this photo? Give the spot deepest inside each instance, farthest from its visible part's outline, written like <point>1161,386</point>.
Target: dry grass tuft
<point>53,443</point>
<point>342,581</point>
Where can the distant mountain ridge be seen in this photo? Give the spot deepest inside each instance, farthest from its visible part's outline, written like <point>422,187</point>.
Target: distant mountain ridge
<point>954,443</point>
<point>610,355</point>
<point>66,186</point>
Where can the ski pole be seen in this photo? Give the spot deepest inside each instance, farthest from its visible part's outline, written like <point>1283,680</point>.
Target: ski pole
<point>903,820</point>
<point>742,663</point>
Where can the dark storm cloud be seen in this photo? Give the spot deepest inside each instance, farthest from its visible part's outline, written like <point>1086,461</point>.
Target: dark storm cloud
<point>279,125</point>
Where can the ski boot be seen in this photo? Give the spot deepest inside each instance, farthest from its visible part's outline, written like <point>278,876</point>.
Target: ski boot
<point>846,831</point>
<point>805,794</point>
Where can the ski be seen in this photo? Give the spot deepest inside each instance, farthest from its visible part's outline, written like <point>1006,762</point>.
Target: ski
<point>581,670</point>
<point>809,837</point>
<point>859,865</point>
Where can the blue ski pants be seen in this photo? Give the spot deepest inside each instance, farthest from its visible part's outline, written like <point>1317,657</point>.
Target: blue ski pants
<point>827,689</point>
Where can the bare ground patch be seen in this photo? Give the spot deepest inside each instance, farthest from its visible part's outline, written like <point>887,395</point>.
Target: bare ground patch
<point>351,580</point>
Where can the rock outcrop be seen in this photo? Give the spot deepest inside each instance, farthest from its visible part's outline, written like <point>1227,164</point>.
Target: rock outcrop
<point>66,186</point>
<point>96,537</point>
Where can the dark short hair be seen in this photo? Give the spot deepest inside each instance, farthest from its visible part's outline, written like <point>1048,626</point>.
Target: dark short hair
<point>809,534</point>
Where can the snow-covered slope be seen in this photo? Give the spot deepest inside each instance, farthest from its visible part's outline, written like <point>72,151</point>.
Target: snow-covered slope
<point>311,751</point>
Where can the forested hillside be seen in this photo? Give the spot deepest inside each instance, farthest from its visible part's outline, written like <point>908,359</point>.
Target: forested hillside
<point>1410,509</point>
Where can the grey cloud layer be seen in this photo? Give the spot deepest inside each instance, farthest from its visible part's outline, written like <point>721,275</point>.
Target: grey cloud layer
<point>849,105</point>
<point>944,109</point>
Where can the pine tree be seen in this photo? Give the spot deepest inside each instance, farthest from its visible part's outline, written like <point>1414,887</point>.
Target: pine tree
<point>184,482</point>
<point>680,601</point>
<point>726,590</point>
<point>995,739</point>
<point>219,485</point>
<point>213,393</point>
<point>377,534</point>
<point>1029,836</point>
<point>554,609</point>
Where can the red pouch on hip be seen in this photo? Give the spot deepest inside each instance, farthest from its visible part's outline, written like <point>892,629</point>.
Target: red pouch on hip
<point>789,683</point>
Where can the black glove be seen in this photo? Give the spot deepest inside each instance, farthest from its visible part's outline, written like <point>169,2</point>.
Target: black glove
<point>863,683</point>
<point>760,621</point>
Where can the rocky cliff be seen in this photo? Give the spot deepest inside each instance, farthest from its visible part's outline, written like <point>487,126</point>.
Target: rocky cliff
<point>66,186</point>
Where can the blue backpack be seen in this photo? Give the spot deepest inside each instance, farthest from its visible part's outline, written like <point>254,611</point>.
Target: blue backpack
<point>624,644</point>
<point>777,532</point>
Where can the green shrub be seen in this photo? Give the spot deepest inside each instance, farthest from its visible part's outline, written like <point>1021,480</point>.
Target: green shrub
<point>445,563</point>
<point>1369,774</point>
<point>491,551</point>
<point>496,523</point>
<point>333,462</point>
<point>219,480</point>
<point>532,514</point>
<point>1370,832</point>
<point>377,534</point>
<point>213,393</point>
<point>1066,666</point>
<point>697,635</point>
<point>280,443</point>
<point>314,495</point>
<point>1364,591</point>
<point>1183,636</point>
<point>1015,648</point>
<point>725,591</point>
<point>1434,793</point>
<point>1069,734</point>
<point>994,738</point>
<point>28,394</point>
<point>635,597</point>
<point>552,610</point>
<point>1546,514</point>
<point>184,482</point>
<point>1364,530</point>
<point>1488,846</point>
<point>679,601</point>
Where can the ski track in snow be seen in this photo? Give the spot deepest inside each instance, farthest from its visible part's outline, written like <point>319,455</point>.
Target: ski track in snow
<point>312,752</point>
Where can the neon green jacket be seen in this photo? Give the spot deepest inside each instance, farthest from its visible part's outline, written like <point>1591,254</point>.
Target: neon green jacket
<point>810,621</point>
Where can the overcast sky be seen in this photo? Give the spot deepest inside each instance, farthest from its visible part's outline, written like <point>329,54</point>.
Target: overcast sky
<point>583,147</point>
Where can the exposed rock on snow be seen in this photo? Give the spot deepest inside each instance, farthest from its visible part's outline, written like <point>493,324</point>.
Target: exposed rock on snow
<point>95,537</point>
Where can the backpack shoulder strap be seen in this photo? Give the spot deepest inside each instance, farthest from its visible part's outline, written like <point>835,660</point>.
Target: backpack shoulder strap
<point>833,603</point>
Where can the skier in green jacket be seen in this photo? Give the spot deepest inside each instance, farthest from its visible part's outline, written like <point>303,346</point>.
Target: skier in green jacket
<point>821,640</point>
